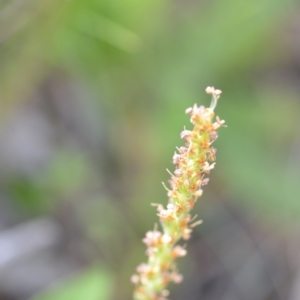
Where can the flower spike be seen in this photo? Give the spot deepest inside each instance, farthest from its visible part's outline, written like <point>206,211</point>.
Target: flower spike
<point>193,163</point>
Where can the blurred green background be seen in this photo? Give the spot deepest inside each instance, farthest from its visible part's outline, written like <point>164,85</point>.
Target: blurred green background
<point>92,101</point>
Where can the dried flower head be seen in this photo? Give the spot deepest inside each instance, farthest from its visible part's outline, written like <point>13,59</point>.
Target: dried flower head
<point>193,163</point>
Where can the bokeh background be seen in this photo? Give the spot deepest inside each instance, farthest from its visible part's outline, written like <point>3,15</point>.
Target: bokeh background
<point>92,101</point>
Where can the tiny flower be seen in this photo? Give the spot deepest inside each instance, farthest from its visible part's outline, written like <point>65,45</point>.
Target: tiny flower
<point>173,193</point>
<point>182,150</point>
<point>189,110</point>
<point>199,192</point>
<point>167,214</point>
<point>170,206</point>
<point>142,268</point>
<point>176,278</point>
<point>166,239</point>
<point>185,134</point>
<point>218,92</point>
<point>186,234</point>
<point>199,183</point>
<point>218,123</point>
<point>135,279</point>
<point>213,135</point>
<point>178,251</point>
<point>205,181</point>
<point>212,154</point>
<point>165,293</point>
<point>210,90</point>
<point>207,167</point>
<point>152,238</point>
<point>186,182</point>
<point>178,172</point>
<point>176,158</point>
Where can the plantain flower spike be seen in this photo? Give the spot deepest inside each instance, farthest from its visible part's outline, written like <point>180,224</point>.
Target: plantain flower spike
<point>193,163</point>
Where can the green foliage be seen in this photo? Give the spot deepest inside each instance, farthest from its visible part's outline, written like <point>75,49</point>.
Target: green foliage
<point>94,283</point>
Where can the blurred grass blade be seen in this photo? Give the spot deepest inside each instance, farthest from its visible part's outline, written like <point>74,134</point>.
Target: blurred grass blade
<point>98,26</point>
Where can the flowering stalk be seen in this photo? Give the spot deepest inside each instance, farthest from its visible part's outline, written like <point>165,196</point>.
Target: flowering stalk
<point>193,162</point>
